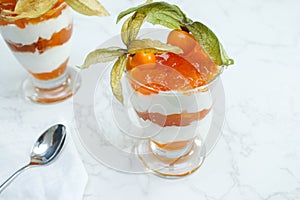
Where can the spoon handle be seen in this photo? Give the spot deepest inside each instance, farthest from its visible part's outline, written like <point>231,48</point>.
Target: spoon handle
<point>12,177</point>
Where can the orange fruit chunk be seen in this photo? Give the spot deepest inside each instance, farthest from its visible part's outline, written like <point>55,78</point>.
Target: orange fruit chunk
<point>194,53</point>
<point>183,40</point>
<point>140,58</point>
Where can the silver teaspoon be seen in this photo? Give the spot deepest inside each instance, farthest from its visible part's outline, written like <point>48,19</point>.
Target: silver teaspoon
<point>45,149</point>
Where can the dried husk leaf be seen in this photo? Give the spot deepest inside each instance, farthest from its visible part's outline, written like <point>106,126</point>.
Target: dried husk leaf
<point>26,6</point>
<point>88,7</point>
<point>155,46</point>
<point>131,27</point>
<point>210,43</point>
<point>115,77</point>
<point>128,11</point>
<point>28,9</point>
<point>159,13</point>
<point>225,58</point>
<point>125,32</point>
<point>102,55</point>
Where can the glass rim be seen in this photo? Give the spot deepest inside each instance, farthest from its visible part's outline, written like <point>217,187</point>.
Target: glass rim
<point>189,91</point>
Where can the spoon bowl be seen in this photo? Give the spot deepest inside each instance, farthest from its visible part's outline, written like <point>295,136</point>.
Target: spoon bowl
<point>44,151</point>
<point>48,145</point>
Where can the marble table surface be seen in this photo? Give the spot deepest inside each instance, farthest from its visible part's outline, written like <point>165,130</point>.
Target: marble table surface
<point>258,155</point>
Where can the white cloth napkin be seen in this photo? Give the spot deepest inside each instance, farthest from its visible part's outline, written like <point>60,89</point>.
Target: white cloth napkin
<point>63,179</point>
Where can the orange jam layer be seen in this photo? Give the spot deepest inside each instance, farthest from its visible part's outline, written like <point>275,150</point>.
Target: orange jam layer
<point>173,146</point>
<point>21,23</point>
<point>169,72</point>
<point>42,44</point>
<point>182,119</point>
<point>52,75</point>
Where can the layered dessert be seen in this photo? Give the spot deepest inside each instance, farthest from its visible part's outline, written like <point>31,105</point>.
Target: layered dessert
<point>169,81</point>
<point>42,44</point>
<point>38,33</point>
<point>168,91</point>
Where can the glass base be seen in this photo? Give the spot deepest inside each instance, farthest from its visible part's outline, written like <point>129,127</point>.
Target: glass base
<point>53,91</point>
<point>172,167</point>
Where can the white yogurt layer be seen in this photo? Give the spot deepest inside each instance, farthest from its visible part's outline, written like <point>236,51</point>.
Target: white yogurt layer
<point>164,135</point>
<point>32,32</point>
<point>45,62</point>
<point>173,103</point>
